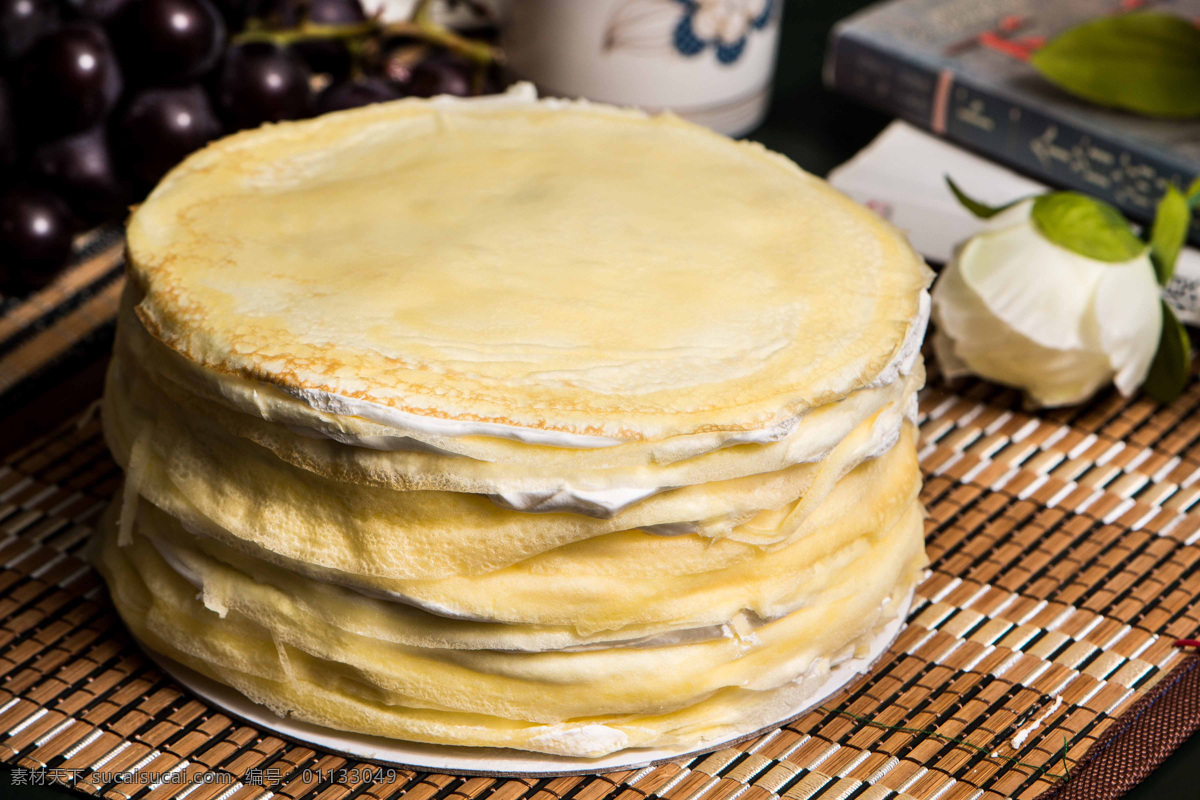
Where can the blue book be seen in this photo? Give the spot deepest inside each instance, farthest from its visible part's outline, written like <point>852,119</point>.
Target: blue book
<point>958,69</point>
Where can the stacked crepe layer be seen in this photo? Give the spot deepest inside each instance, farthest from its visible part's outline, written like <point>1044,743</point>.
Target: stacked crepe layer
<point>438,425</point>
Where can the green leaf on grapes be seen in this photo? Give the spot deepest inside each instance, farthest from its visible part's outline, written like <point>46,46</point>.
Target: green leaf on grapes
<point>1146,62</point>
<point>1171,368</point>
<point>1086,226</point>
<point>981,210</point>
<point>1168,233</point>
<point>1193,193</point>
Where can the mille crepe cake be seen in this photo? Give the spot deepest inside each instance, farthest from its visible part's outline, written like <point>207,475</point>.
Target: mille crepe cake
<point>513,423</point>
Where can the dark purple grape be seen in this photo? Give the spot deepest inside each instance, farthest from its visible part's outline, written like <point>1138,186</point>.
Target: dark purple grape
<point>335,12</point>
<point>81,170</point>
<point>35,237</point>
<point>23,23</point>
<point>160,126</point>
<point>352,94</point>
<point>8,130</point>
<point>236,12</point>
<point>262,82</point>
<point>496,78</point>
<point>168,40</point>
<point>400,55</point>
<point>440,76</point>
<point>101,10</point>
<point>328,55</point>
<point>69,82</point>
<point>274,14</point>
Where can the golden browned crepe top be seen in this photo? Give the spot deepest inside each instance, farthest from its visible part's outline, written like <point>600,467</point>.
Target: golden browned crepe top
<point>549,268</point>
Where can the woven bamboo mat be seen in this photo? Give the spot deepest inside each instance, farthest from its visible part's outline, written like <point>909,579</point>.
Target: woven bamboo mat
<point>1065,563</point>
<point>71,318</point>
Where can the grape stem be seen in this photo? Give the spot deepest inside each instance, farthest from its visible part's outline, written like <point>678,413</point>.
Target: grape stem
<point>432,32</point>
<point>306,31</point>
<point>423,11</point>
<point>421,26</point>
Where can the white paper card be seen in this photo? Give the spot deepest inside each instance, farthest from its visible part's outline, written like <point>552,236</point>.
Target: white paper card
<point>902,176</point>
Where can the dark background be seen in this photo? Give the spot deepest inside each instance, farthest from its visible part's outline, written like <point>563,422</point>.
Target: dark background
<point>818,130</point>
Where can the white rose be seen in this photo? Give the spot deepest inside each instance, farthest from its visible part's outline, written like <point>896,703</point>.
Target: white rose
<point>1016,308</point>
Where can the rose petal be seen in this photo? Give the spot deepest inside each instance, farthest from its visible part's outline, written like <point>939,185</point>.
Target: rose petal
<point>951,365</point>
<point>1038,288</point>
<point>1128,314</point>
<point>991,348</point>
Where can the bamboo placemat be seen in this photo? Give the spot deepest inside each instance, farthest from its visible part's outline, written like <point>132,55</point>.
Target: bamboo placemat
<point>69,318</point>
<point>1065,564</point>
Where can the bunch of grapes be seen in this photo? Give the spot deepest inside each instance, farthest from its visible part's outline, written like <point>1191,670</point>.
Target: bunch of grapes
<point>100,98</point>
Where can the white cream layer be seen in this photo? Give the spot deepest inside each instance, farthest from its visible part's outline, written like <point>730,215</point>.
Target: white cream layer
<point>600,503</point>
<point>741,627</point>
<point>408,425</point>
<point>607,503</point>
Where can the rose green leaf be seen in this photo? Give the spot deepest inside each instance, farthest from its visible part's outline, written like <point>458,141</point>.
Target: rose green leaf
<point>980,210</point>
<point>1086,226</point>
<point>1169,371</point>
<point>1168,233</point>
<point>1145,62</point>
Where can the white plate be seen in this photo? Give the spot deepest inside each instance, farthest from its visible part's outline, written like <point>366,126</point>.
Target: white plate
<point>488,760</point>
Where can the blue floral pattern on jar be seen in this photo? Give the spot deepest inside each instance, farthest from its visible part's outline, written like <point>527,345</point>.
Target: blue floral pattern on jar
<point>722,24</point>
